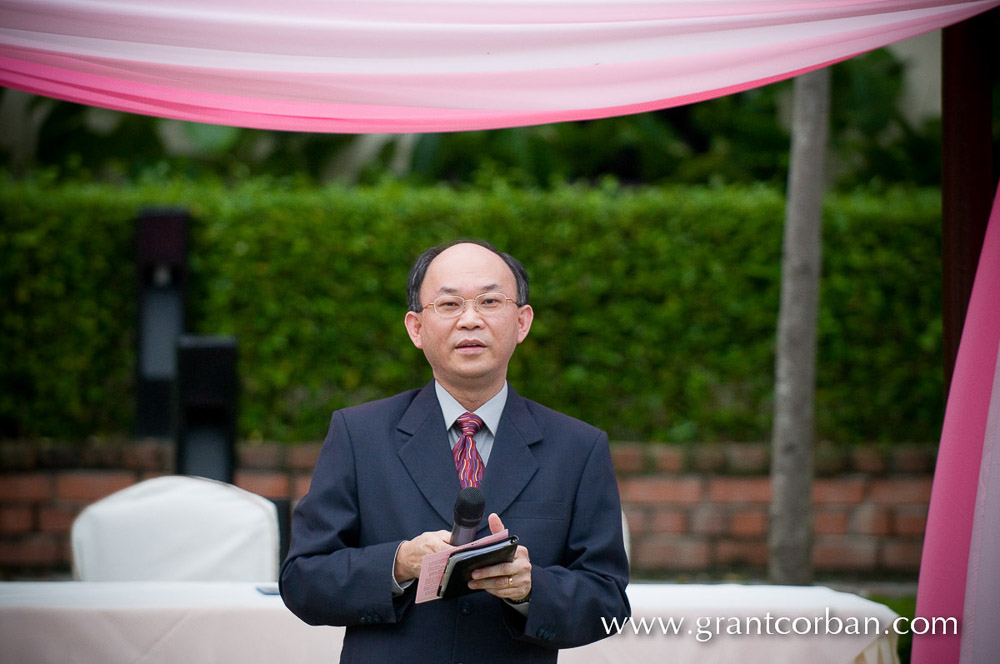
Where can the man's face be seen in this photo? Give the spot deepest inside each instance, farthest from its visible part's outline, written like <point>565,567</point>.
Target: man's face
<point>472,350</point>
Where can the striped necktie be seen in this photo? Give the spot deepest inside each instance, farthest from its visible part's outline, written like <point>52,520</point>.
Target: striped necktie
<point>467,460</point>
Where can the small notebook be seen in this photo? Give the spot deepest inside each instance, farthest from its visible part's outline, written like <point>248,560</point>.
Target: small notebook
<point>490,550</point>
<point>460,566</point>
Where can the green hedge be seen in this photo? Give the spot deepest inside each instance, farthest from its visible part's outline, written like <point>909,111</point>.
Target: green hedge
<point>655,307</point>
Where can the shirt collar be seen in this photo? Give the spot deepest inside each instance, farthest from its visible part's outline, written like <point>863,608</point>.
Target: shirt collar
<point>489,412</point>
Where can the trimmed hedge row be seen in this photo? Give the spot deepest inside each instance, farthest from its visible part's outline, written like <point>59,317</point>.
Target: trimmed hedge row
<point>655,307</point>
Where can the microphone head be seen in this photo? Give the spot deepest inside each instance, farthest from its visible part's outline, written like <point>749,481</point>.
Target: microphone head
<point>469,507</point>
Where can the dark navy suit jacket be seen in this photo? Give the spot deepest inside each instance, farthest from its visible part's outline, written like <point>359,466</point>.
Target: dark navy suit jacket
<point>385,474</point>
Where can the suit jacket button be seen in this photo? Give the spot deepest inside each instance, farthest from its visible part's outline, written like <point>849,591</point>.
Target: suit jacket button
<point>466,608</point>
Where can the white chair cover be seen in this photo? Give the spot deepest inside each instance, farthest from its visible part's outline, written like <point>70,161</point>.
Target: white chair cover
<point>626,538</point>
<point>177,528</point>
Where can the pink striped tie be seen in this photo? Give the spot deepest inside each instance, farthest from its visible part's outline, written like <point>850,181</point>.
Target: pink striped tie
<point>467,460</point>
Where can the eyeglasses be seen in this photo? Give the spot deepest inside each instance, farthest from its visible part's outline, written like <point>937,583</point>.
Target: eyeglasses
<point>451,306</point>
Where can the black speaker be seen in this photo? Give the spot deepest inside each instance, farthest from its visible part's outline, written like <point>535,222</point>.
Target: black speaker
<point>206,392</point>
<point>161,275</point>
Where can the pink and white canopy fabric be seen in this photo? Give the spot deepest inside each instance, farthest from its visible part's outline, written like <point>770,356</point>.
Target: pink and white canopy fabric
<point>959,576</point>
<point>393,66</point>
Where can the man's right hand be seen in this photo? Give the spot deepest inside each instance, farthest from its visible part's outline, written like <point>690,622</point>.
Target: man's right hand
<point>411,552</point>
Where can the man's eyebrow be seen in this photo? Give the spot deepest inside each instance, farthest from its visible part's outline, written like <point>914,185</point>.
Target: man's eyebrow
<point>450,290</point>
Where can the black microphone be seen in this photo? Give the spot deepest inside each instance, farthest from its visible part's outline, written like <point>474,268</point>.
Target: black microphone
<point>469,508</point>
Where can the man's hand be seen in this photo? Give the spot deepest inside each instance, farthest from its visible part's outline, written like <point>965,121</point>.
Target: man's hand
<point>511,580</point>
<point>411,552</point>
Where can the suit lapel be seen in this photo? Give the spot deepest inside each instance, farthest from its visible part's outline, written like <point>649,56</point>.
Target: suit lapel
<point>426,454</point>
<point>512,463</point>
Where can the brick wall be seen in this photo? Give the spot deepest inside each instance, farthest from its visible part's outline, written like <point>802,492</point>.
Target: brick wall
<point>699,508</point>
<point>706,508</point>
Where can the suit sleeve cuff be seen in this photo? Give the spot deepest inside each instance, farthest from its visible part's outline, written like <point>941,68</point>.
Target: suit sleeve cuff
<point>397,587</point>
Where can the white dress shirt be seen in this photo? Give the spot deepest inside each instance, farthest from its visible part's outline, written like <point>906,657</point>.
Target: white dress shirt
<point>489,413</point>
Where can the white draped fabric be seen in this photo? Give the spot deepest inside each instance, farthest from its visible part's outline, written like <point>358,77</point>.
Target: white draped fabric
<point>433,65</point>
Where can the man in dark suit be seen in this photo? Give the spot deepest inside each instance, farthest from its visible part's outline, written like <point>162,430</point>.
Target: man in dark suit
<point>385,483</point>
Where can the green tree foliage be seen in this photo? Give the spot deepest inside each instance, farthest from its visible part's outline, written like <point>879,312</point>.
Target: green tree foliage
<point>739,138</point>
<point>655,306</point>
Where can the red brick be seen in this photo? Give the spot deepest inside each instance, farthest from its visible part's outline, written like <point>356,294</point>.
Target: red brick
<point>652,489</point>
<point>709,519</point>
<point>668,552</point>
<point>845,552</point>
<point>739,490</point>
<point>870,519</point>
<point>668,521</point>
<point>91,485</point>
<point>303,456</point>
<point>301,486</point>
<point>868,460</point>
<point>748,458</point>
<point>899,491</point>
<point>912,459</point>
<point>829,459</point>
<point>59,455</point>
<point>902,556</point>
<point>269,485</point>
<point>16,519</point>
<point>708,458</point>
<point>37,550</point>
<point>830,521</point>
<point>57,519</point>
<point>636,519</point>
<point>741,552</point>
<point>749,522</point>
<point>667,458</point>
<point>909,520</point>
<point>628,457</point>
<point>17,455</point>
<point>100,455</point>
<point>28,487</point>
<point>838,491</point>
<point>146,456</point>
<point>260,456</point>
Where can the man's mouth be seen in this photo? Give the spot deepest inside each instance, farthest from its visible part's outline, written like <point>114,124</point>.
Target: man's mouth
<point>470,343</point>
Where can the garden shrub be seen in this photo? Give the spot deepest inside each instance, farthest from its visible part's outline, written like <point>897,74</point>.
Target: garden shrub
<point>655,307</point>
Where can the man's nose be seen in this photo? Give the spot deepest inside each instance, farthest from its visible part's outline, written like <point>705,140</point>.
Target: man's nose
<point>470,316</point>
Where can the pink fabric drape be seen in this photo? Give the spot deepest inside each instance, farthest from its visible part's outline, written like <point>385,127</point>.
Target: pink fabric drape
<point>455,65</point>
<point>432,65</point>
<point>964,498</point>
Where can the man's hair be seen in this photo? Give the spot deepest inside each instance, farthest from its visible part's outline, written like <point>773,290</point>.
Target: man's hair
<point>419,271</point>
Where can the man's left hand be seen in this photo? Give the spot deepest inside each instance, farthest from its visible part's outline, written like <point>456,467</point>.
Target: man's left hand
<point>510,581</point>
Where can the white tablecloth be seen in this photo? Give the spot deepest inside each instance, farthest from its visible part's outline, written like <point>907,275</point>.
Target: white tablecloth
<point>172,622</point>
<point>747,624</point>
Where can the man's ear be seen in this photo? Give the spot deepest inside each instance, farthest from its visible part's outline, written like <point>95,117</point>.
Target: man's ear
<point>413,325</point>
<point>524,317</point>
